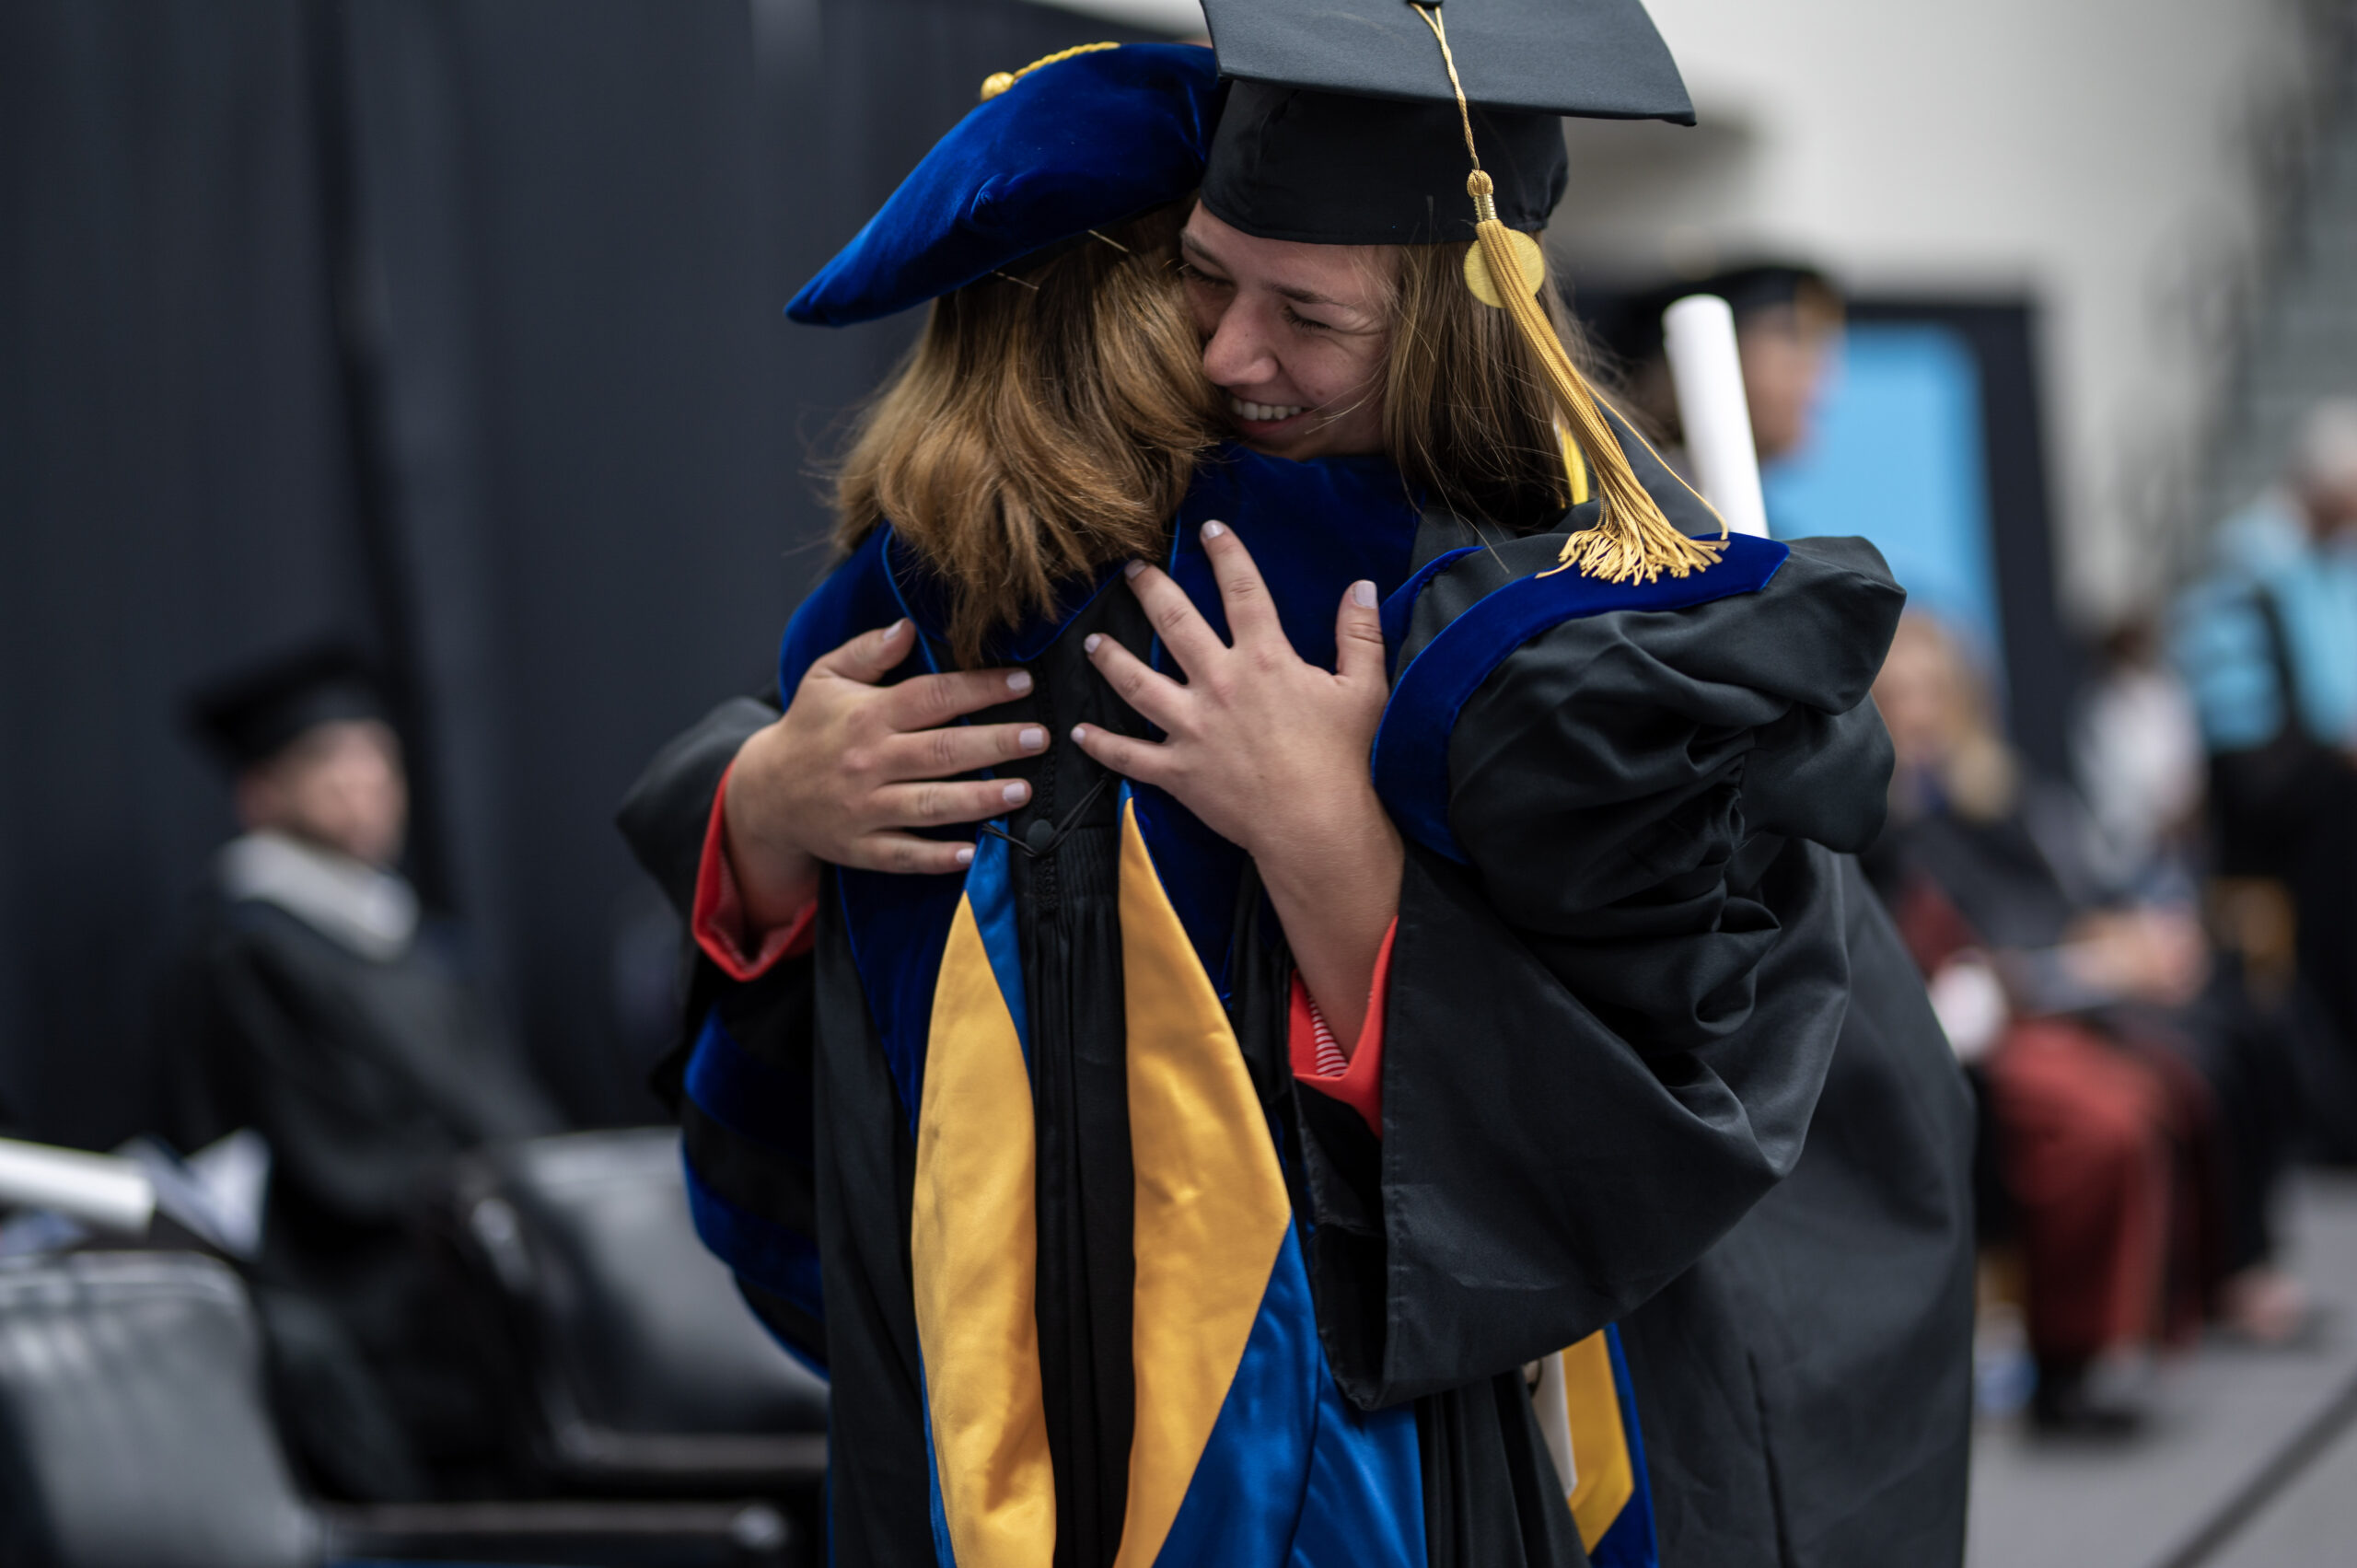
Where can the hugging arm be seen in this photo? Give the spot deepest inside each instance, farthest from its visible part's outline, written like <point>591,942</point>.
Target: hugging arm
<point>1270,752</point>
<point>1618,978</point>
<point>843,777</point>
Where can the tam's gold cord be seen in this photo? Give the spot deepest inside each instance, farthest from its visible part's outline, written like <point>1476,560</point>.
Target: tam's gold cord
<point>998,82</point>
<point>1632,541</point>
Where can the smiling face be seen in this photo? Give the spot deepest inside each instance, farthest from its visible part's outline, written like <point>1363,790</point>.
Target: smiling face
<point>1295,336</point>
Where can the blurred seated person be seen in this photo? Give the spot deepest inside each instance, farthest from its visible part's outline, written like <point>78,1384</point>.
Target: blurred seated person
<point>2137,757</point>
<point>2267,645</point>
<point>1787,322</point>
<point>314,1004</point>
<point>2105,1039</point>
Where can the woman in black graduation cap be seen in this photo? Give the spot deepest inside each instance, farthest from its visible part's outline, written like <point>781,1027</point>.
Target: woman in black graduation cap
<point>1587,952</point>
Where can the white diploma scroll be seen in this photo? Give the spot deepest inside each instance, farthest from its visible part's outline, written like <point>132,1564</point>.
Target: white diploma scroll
<point>1699,334</point>
<point>1552,1400</point>
<point>103,1191</point>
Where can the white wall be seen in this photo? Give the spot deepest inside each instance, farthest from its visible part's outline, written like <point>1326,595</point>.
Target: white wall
<point>2097,155</point>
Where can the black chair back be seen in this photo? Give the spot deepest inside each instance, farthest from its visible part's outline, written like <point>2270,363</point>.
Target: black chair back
<point>651,1369</point>
<point>132,1429</point>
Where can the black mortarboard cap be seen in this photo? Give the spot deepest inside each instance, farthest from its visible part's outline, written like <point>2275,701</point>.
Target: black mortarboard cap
<point>1342,128</point>
<point>253,713</point>
<point>1334,135</point>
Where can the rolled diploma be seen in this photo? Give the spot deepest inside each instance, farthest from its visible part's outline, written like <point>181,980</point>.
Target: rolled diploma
<point>103,1191</point>
<point>1699,335</point>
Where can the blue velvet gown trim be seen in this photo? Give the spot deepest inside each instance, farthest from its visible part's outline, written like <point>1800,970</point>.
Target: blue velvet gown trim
<point>748,1096</point>
<point>782,1261</point>
<point>1412,746</point>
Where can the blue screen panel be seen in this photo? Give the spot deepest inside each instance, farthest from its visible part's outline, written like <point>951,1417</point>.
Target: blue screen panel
<point>1898,457</point>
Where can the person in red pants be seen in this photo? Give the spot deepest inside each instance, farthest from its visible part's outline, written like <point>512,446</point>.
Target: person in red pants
<point>2078,1020</point>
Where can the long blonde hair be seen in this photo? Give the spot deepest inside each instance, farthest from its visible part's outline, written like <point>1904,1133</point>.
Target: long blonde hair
<point>1045,426</point>
<point>1466,416</point>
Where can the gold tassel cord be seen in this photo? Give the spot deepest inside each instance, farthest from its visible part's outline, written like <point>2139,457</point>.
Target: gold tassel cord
<point>1632,541</point>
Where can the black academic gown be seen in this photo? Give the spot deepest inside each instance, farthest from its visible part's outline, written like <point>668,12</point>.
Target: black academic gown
<point>1651,905</point>
<point>368,1076</point>
<point>1617,999</point>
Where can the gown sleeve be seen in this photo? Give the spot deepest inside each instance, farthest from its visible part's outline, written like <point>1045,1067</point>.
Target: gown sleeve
<point>742,1079</point>
<point>1318,1062</point>
<point>1618,970</point>
<point>722,929</point>
<point>667,817</point>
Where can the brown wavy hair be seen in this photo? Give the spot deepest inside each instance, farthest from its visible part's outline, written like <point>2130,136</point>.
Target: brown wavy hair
<point>1045,426</point>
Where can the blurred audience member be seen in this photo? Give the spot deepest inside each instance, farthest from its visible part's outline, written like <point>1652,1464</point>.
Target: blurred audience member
<point>1788,321</point>
<point>2269,645</point>
<point>315,1004</point>
<point>2136,750</point>
<point>2103,1034</point>
<point>2260,1040</point>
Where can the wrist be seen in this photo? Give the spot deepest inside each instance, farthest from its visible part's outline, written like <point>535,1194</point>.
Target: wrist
<point>775,877</point>
<point>1350,840</point>
<point>775,885</point>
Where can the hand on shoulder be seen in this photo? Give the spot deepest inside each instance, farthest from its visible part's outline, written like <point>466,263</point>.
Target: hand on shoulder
<point>855,766</point>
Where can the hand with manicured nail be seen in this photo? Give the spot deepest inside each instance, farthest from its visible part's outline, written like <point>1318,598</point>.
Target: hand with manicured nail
<point>854,766</point>
<point>1271,751</point>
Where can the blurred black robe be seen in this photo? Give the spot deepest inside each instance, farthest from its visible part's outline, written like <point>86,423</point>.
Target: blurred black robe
<point>368,1074</point>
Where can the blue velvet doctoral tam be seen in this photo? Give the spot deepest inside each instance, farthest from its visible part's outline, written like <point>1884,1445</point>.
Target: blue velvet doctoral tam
<point>1083,143</point>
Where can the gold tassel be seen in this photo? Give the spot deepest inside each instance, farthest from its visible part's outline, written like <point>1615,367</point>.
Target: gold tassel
<point>1632,542</point>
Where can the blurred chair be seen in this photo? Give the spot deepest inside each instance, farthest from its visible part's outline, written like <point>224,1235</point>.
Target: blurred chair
<point>649,1371</point>
<point>133,1435</point>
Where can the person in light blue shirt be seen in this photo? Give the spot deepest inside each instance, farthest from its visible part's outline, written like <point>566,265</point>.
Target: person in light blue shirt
<point>2306,567</point>
<point>2268,647</point>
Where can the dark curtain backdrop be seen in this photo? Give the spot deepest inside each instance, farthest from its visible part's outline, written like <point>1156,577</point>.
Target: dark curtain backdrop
<point>455,328</point>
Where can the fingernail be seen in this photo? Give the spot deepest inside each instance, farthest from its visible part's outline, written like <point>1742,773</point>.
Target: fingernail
<point>1016,792</point>
<point>1133,568</point>
<point>1088,644</point>
<point>1213,531</point>
<point>966,855</point>
<point>1019,681</point>
<point>1080,732</point>
<point>894,630</point>
<point>1363,594</point>
<point>1032,738</point>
